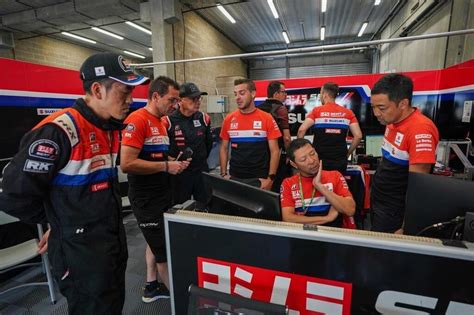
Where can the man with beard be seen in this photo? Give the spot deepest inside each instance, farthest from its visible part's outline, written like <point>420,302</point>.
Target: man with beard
<point>409,145</point>
<point>330,123</point>
<point>144,156</point>
<point>253,135</point>
<point>65,173</point>
<point>314,195</point>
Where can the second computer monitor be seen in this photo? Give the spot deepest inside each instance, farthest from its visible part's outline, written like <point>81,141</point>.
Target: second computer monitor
<point>244,200</point>
<point>435,199</point>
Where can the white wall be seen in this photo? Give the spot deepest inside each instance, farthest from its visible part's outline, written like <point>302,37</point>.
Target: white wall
<point>434,53</point>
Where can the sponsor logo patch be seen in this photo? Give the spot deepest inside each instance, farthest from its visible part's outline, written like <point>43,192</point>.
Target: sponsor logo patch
<point>99,186</point>
<point>423,136</point>
<point>234,125</point>
<point>399,138</point>
<point>95,147</point>
<point>99,71</point>
<point>44,149</point>
<point>46,111</point>
<point>196,123</point>
<point>130,127</point>
<point>98,163</point>
<point>334,131</point>
<point>156,155</point>
<point>92,137</point>
<point>257,124</point>
<point>36,166</point>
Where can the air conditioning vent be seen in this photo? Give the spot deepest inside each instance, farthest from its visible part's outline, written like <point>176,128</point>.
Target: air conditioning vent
<point>6,40</point>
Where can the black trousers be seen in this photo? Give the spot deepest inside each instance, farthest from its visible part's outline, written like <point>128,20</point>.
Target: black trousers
<point>187,184</point>
<point>335,165</point>
<point>99,293</point>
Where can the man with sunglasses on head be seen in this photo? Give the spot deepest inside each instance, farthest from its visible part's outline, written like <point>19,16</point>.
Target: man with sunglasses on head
<point>65,173</point>
<point>330,123</point>
<point>144,156</point>
<point>189,131</point>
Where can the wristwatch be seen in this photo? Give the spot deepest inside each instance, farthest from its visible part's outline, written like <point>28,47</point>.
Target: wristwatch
<point>272,176</point>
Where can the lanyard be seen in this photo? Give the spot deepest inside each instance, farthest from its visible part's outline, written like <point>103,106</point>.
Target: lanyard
<point>302,196</point>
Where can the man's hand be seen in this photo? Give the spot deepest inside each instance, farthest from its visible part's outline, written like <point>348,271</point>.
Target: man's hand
<point>265,183</point>
<point>399,231</point>
<point>317,179</point>
<point>43,243</point>
<point>176,167</point>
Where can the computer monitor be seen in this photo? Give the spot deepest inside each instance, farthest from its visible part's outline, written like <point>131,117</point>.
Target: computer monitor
<point>434,199</point>
<point>245,200</point>
<point>209,302</point>
<point>373,145</point>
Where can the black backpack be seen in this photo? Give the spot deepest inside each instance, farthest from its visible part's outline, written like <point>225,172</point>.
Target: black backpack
<point>272,108</point>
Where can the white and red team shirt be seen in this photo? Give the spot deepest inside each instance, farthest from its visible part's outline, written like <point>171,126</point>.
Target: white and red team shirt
<point>146,132</point>
<point>331,124</point>
<point>411,141</point>
<point>248,135</point>
<point>290,194</point>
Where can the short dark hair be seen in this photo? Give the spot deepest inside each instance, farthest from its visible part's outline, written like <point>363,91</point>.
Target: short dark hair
<point>273,87</point>
<point>250,84</point>
<point>161,85</point>
<point>331,88</point>
<point>396,86</point>
<point>106,82</point>
<point>295,145</point>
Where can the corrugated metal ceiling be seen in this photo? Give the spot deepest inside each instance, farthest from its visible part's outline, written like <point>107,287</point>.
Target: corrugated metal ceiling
<point>256,29</point>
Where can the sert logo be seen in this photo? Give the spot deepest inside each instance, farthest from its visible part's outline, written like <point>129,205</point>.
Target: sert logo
<point>309,295</point>
<point>36,166</point>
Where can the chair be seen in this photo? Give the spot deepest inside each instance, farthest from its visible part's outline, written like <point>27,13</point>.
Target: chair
<point>14,257</point>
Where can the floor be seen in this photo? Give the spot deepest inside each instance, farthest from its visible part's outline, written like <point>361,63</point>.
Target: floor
<point>35,300</point>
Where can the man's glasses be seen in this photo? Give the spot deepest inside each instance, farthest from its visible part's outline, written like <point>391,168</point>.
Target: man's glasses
<point>196,99</point>
<point>174,100</point>
<point>284,92</point>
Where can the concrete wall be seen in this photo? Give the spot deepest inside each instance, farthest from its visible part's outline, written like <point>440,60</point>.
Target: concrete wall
<point>48,51</point>
<point>431,53</point>
<point>194,38</point>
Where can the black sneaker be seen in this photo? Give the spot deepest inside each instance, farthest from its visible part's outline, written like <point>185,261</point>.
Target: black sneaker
<point>161,292</point>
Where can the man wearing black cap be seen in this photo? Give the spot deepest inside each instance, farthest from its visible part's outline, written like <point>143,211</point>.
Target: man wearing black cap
<point>65,173</point>
<point>190,133</point>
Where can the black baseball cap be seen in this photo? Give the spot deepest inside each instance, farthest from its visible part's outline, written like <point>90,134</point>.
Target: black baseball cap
<point>190,90</point>
<point>109,65</point>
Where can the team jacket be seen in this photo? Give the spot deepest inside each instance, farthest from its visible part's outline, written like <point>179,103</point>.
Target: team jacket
<point>411,141</point>
<point>65,171</point>
<point>249,135</point>
<point>146,132</point>
<point>193,132</point>
<point>291,195</point>
<point>331,123</point>
<point>279,112</point>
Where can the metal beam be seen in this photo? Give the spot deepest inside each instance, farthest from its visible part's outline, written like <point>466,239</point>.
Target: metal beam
<point>309,49</point>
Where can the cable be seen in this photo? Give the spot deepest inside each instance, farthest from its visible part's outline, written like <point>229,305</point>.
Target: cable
<point>456,220</point>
